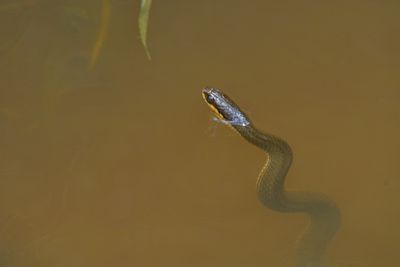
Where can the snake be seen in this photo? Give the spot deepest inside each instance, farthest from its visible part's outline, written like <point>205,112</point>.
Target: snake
<point>324,215</point>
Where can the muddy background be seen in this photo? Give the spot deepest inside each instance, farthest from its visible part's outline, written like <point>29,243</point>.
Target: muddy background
<point>120,164</point>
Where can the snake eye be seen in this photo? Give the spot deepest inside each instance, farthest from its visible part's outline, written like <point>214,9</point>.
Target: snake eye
<point>208,98</point>
<point>207,95</point>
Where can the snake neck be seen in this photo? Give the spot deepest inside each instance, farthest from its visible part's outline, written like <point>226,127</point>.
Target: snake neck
<point>323,213</point>
<point>270,184</point>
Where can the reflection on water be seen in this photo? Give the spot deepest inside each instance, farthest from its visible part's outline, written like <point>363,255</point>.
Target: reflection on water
<point>113,165</point>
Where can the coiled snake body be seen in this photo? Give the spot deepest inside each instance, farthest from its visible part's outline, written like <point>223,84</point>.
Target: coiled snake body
<point>323,213</point>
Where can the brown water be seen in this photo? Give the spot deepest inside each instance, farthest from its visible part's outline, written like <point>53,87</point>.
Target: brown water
<point>121,165</point>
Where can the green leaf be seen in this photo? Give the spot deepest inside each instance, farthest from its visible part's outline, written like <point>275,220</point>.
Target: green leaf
<point>143,22</point>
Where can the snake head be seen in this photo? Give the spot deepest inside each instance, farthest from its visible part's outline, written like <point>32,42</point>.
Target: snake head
<point>224,108</point>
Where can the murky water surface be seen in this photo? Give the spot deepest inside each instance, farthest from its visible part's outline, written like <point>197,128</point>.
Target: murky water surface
<point>119,163</point>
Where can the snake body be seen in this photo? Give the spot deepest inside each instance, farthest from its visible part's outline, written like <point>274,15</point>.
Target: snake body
<point>323,212</point>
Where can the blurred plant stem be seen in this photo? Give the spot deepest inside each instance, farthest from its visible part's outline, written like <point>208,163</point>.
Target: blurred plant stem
<point>102,34</point>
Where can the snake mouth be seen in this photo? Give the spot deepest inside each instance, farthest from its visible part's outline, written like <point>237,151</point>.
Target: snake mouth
<point>211,96</point>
